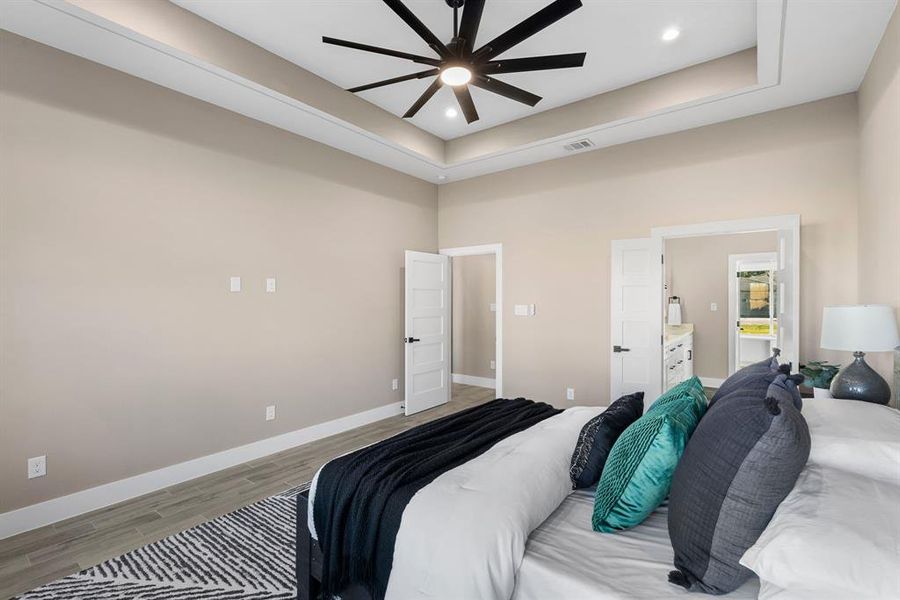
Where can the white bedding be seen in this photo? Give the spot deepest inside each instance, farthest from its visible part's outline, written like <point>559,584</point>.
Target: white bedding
<point>565,558</point>
<point>464,534</point>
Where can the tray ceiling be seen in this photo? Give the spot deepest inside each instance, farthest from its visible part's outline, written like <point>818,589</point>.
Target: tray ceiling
<point>622,39</point>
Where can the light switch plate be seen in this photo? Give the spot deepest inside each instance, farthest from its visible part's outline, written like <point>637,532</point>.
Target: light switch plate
<point>713,307</point>
<point>570,393</point>
<point>270,413</point>
<point>493,307</point>
<point>523,310</point>
<point>37,467</point>
<point>235,284</point>
<point>270,285</point>
<point>493,364</point>
<point>395,384</point>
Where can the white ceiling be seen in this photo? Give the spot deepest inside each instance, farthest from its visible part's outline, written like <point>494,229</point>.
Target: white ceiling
<point>621,38</point>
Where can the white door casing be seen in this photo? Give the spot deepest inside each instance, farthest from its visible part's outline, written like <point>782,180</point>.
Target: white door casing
<point>635,318</point>
<point>427,331</point>
<point>787,277</point>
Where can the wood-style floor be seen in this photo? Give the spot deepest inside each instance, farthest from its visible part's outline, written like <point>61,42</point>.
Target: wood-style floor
<point>37,557</point>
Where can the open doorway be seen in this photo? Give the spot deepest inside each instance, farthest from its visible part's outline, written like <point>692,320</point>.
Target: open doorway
<point>663,312</point>
<point>702,293</point>
<point>476,323</point>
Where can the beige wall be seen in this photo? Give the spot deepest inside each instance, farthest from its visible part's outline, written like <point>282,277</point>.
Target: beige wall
<point>474,328</point>
<point>556,221</point>
<point>879,203</point>
<point>697,272</point>
<point>125,208</point>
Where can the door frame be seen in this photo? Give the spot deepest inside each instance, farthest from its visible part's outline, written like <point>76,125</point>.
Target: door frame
<point>791,222</point>
<point>497,251</point>
<point>733,260</point>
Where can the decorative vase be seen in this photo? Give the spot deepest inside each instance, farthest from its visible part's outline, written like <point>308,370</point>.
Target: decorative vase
<point>858,381</point>
<point>822,393</point>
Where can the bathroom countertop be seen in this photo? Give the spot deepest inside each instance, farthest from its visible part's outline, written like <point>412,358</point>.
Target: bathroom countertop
<point>675,333</point>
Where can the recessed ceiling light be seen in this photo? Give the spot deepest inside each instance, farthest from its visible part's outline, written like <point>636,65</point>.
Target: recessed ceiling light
<point>450,113</point>
<point>670,34</point>
<point>456,76</point>
<point>442,177</point>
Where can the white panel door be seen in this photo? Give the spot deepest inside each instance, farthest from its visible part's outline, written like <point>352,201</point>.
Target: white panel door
<point>427,337</point>
<point>636,318</point>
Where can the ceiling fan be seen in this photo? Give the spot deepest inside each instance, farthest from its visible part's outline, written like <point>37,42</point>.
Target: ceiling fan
<point>459,64</point>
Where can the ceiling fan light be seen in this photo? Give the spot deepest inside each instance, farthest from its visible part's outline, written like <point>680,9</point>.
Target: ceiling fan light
<point>456,76</point>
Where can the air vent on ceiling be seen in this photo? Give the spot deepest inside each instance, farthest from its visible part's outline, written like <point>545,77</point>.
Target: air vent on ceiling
<point>579,145</point>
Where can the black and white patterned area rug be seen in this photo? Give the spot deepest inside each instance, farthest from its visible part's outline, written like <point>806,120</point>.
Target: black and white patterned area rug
<point>244,555</point>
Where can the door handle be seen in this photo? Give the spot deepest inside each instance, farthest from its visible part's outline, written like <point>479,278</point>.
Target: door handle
<point>410,340</point>
<point>621,349</point>
<point>690,355</point>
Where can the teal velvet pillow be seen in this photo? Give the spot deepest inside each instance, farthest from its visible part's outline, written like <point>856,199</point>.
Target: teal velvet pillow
<point>676,393</point>
<point>641,464</point>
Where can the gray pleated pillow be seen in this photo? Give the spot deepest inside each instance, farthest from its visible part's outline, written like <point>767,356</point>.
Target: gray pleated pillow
<point>741,462</point>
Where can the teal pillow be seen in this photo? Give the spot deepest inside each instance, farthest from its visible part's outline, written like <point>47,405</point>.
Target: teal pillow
<point>674,394</point>
<point>641,464</point>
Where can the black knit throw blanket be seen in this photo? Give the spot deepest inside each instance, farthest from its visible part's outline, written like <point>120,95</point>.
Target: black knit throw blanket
<point>360,497</point>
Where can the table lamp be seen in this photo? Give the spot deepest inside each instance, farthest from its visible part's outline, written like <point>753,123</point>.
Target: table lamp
<point>860,329</point>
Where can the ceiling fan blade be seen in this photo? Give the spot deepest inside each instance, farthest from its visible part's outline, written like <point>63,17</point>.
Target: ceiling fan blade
<point>425,97</point>
<point>534,63</point>
<point>545,17</point>
<point>468,26</point>
<point>464,97</point>
<point>505,90</point>
<point>419,27</point>
<point>386,51</point>
<point>377,84</point>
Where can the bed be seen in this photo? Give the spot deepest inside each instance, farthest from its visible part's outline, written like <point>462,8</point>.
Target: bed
<point>509,520</point>
<point>506,524</point>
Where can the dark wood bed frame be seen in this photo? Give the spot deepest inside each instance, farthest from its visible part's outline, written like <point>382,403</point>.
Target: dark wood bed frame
<point>309,560</point>
<point>309,555</point>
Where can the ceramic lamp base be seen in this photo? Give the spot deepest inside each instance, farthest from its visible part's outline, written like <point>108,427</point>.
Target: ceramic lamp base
<point>858,381</point>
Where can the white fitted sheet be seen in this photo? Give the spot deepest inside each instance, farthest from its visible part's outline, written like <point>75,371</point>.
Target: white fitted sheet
<point>566,559</point>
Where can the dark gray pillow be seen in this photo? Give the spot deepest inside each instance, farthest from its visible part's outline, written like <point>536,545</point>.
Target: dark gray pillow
<point>757,376</point>
<point>598,436</point>
<point>784,387</point>
<point>742,460</point>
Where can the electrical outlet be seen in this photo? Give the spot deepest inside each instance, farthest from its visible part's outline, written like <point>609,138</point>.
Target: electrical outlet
<point>395,384</point>
<point>493,364</point>
<point>270,285</point>
<point>270,413</point>
<point>570,393</point>
<point>234,284</point>
<point>37,467</point>
<point>713,307</point>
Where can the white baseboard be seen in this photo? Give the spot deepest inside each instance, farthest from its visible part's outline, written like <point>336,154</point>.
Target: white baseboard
<point>711,382</point>
<point>64,507</point>
<point>484,382</point>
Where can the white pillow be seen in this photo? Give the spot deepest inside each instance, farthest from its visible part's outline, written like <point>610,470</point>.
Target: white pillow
<point>857,436</point>
<point>836,535</point>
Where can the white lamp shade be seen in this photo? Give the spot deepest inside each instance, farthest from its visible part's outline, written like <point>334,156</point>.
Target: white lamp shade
<point>866,327</point>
